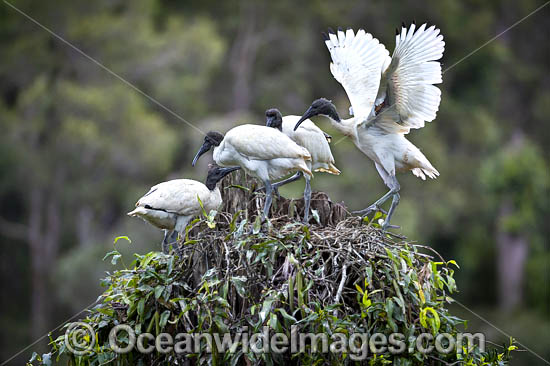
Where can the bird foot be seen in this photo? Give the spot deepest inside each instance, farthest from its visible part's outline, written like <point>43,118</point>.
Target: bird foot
<point>367,211</point>
<point>386,225</point>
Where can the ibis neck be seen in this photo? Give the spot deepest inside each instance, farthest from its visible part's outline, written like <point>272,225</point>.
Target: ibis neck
<point>214,188</point>
<point>345,126</point>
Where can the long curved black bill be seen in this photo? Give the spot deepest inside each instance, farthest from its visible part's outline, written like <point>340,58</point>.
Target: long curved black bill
<point>204,148</point>
<point>226,171</point>
<point>309,113</point>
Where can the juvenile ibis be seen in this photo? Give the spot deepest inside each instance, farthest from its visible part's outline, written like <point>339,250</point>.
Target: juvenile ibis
<point>389,96</point>
<point>171,205</point>
<point>313,139</point>
<point>262,152</point>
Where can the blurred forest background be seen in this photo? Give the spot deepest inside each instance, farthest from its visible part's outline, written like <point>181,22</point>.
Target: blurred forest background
<point>78,146</point>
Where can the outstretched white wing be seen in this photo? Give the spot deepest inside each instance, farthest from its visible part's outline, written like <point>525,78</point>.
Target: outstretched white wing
<point>406,85</point>
<point>357,61</point>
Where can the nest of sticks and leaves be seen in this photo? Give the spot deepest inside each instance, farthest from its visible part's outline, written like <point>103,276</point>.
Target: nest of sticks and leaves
<point>233,274</point>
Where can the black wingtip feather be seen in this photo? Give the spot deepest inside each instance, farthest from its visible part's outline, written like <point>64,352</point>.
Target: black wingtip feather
<point>340,29</point>
<point>403,24</point>
<point>325,36</point>
<point>396,31</point>
<point>330,31</point>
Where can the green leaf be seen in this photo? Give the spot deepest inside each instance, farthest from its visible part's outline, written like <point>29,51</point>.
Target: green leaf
<point>158,291</point>
<point>170,266</point>
<point>389,310</point>
<point>315,215</point>
<point>266,309</point>
<point>232,225</point>
<point>452,261</point>
<point>239,282</point>
<point>366,302</point>
<point>430,322</point>
<point>274,323</point>
<point>164,318</point>
<point>202,206</point>
<point>238,186</point>
<point>287,315</point>
<point>141,307</point>
<point>122,237</point>
<point>115,259</point>
<point>113,252</point>
<point>257,225</point>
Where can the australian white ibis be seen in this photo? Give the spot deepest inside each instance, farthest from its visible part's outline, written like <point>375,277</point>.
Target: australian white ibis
<point>171,205</point>
<point>313,139</point>
<point>389,96</point>
<point>262,152</point>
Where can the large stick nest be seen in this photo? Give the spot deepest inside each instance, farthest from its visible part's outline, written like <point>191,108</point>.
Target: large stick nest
<point>229,271</point>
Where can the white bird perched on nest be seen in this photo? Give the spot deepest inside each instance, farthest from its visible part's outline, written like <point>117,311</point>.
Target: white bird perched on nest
<point>389,96</point>
<point>313,139</point>
<point>171,205</point>
<point>262,152</point>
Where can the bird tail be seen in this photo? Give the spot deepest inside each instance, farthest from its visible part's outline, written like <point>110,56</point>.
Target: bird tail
<point>306,170</point>
<point>421,173</point>
<point>137,212</point>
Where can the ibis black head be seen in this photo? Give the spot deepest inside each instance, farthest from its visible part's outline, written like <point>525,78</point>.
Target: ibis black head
<point>321,106</point>
<point>274,119</point>
<point>212,138</point>
<point>216,173</point>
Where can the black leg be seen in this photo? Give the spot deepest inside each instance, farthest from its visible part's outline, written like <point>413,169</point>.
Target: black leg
<point>307,200</point>
<point>294,178</point>
<point>376,205</point>
<point>165,241</point>
<point>268,198</point>
<point>394,193</point>
<point>394,203</point>
<point>394,187</point>
<point>276,186</point>
<point>174,237</point>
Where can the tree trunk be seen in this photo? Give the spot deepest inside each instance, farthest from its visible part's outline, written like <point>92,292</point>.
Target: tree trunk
<point>43,237</point>
<point>511,257</point>
<point>243,55</point>
<point>39,308</point>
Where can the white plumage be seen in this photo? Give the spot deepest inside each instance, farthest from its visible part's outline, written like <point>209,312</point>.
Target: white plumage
<point>262,152</point>
<point>389,96</point>
<point>171,205</point>
<point>310,137</point>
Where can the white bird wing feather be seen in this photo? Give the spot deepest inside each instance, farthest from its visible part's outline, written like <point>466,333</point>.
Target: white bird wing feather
<point>263,143</point>
<point>176,196</point>
<point>310,137</point>
<point>407,82</point>
<point>357,61</point>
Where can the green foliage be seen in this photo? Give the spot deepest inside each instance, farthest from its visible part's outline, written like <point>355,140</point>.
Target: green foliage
<point>287,277</point>
<point>90,145</point>
<point>517,176</point>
